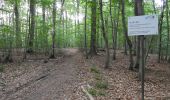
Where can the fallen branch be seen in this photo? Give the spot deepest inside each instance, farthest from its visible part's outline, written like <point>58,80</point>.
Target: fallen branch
<point>87,93</point>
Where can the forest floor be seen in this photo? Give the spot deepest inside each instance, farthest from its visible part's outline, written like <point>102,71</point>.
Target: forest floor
<point>62,78</point>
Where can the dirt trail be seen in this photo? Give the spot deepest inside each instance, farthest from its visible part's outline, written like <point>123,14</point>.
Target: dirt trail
<point>57,81</point>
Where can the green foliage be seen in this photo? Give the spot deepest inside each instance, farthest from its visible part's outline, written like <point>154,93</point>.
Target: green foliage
<point>1,68</point>
<point>95,92</point>
<point>101,93</point>
<point>43,38</point>
<point>92,91</point>
<point>45,3</point>
<point>94,70</point>
<point>101,85</point>
<point>98,77</point>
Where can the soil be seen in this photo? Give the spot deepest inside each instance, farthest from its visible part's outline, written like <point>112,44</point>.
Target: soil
<point>35,80</point>
<point>61,78</point>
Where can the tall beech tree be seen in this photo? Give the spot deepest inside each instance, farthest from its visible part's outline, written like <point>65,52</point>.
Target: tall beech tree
<point>104,35</point>
<point>126,36</point>
<point>17,23</point>
<point>32,26</point>
<point>160,31</point>
<point>85,30</point>
<point>93,28</point>
<point>54,30</point>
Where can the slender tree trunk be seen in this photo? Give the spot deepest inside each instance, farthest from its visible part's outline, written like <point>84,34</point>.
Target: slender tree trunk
<point>126,36</point>
<point>85,31</point>
<point>125,47</point>
<point>160,33</point>
<point>44,29</point>
<point>62,18</point>
<point>8,56</point>
<point>66,28</point>
<point>153,1</point>
<point>152,38</point>
<point>78,22</point>
<point>26,36</point>
<point>54,30</point>
<point>32,26</point>
<point>17,25</point>
<point>168,32</point>
<point>104,35</point>
<point>63,42</point>
<point>113,34</point>
<point>93,29</point>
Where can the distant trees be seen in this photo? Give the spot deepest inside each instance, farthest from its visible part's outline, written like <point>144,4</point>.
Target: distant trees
<point>45,24</point>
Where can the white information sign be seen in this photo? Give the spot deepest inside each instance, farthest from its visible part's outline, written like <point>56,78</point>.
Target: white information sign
<point>143,25</point>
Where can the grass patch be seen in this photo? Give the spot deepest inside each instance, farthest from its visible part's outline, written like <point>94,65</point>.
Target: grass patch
<point>95,92</point>
<point>92,91</point>
<point>94,70</point>
<point>1,68</point>
<point>101,93</point>
<point>101,85</point>
<point>98,77</point>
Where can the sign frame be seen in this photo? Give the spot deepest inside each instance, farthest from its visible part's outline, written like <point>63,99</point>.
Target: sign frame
<point>143,25</point>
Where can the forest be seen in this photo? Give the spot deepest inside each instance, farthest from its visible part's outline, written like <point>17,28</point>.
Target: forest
<point>81,50</point>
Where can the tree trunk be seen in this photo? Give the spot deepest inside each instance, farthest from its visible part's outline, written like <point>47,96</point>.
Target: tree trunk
<point>138,11</point>
<point>32,26</point>
<point>44,29</point>
<point>160,33</point>
<point>17,23</point>
<point>54,30</point>
<point>152,38</point>
<point>93,29</point>
<point>104,36</point>
<point>168,32</point>
<point>85,31</point>
<point>137,53</point>
<point>126,36</point>
<point>113,34</point>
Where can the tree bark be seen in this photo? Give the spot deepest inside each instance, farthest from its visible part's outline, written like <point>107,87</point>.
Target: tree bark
<point>93,29</point>
<point>160,33</point>
<point>126,36</point>
<point>104,36</point>
<point>54,30</point>
<point>85,31</point>
<point>17,23</point>
<point>32,26</point>
<point>168,32</point>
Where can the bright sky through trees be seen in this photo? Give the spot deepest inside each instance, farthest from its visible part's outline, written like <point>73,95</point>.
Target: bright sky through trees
<point>73,17</point>
<point>159,2</point>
